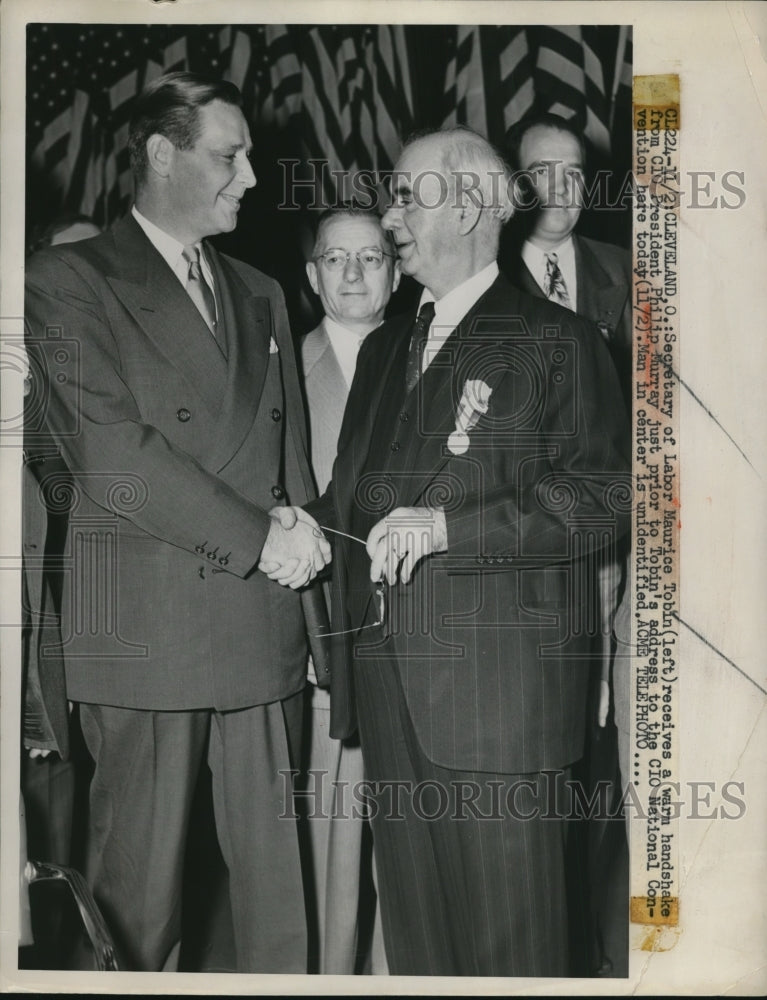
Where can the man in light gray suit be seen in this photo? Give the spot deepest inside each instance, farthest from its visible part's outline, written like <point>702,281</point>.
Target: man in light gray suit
<point>354,271</point>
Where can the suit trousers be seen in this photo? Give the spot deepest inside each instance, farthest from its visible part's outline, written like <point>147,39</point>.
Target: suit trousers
<point>343,881</point>
<point>146,768</point>
<point>466,886</point>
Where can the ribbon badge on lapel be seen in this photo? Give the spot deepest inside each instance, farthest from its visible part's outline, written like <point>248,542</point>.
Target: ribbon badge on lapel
<point>474,403</point>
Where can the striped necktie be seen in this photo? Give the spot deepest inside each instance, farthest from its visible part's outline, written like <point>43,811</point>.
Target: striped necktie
<point>554,286</point>
<point>198,288</point>
<point>417,342</point>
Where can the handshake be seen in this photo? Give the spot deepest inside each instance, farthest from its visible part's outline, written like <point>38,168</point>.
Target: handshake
<point>296,549</point>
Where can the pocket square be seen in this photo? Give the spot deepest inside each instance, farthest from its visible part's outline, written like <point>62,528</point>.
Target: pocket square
<point>273,348</point>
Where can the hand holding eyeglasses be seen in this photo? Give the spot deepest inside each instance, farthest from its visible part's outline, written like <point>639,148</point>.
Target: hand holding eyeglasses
<point>398,542</point>
<point>295,549</point>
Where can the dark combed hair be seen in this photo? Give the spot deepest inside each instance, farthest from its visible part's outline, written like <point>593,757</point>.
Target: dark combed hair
<point>170,106</point>
<point>518,131</point>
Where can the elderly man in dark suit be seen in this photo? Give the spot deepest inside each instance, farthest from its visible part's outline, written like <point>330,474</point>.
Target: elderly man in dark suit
<point>174,397</point>
<point>480,448</point>
<point>354,271</point>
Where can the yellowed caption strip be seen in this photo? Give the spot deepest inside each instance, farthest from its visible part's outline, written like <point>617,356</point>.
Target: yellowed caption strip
<point>653,806</point>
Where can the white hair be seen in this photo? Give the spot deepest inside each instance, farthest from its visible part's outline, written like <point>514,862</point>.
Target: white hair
<point>478,170</point>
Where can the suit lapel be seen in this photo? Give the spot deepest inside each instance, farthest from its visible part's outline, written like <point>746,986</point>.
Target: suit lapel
<point>362,408</point>
<point>247,319</point>
<point>326,387</point>
<point>153,295</point>
<point>599,298</point>
<point>439,392</point>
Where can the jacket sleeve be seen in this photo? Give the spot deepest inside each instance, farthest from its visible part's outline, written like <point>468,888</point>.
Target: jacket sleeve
<point>96,421</point>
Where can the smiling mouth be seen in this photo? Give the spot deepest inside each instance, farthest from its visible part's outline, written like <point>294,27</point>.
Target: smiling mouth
<point>232,200</point>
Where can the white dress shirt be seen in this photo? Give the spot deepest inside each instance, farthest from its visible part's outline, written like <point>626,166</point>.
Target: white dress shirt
<point>535,258</point>
<point>172,251</point>
<point>451,308</point>
<point>346,345</point>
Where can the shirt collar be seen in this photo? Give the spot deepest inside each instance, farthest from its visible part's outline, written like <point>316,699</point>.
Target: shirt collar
<point>171,250</point>
<point>452,307</point>
<point>166,245</point>
<point>535,257</point>
<point>342,332</point>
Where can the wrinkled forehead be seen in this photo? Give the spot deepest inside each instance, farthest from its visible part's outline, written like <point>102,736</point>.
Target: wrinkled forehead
<point>352,233</point>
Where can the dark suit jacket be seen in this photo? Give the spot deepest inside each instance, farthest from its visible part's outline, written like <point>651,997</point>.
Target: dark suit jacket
<point>603,273</point>
<point>164,435</point>
<point>490,639</point>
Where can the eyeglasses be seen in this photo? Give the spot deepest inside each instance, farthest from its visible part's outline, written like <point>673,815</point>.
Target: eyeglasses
<point>369,259</point>
<point>378,592</point>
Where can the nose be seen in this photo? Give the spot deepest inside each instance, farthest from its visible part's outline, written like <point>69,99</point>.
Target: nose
<point>391,217</point>
<point>559,180</point>
<point>352,269</point>
<point>245,174</point>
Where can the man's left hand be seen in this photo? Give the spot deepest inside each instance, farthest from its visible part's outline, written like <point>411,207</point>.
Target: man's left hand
<point>398,542</point>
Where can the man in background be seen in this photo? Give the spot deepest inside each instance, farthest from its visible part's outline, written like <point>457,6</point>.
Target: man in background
<point>174,397</point>
<point>354,270</point>
<point>584,275</point>
<point>548,156</point>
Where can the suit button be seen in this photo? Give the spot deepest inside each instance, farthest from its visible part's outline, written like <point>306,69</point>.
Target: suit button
<point>276,415</point>
<point>395,446</point>
<point>404,416</point>
<point>183,414</point>
<point>278,492</point>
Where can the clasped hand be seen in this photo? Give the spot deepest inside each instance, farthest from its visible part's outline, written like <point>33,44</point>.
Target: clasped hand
<point>295,550</point>
<point>398,542</point>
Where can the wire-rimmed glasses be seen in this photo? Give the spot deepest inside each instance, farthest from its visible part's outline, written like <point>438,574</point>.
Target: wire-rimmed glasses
<point>369,259</point>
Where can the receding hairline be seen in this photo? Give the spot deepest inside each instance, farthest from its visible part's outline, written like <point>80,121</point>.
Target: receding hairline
<point>550,127</point>
<point>348,215</point>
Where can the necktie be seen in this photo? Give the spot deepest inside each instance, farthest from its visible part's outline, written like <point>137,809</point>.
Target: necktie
<point>417,342</point>
<point>554,286</point>
<point>198,288</point>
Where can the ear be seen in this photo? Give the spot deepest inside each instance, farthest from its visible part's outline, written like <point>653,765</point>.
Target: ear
<point>395,277</point>
<point>159,151</point>
<point>470,210</point>
<point>311,274</point>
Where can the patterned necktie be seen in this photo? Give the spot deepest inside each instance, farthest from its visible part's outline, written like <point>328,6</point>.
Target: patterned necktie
<point>198,288</point>
<point>554,286</point>
<point>417,343</point>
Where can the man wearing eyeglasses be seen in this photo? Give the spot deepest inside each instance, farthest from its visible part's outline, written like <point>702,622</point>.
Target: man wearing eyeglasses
<point>483,441</point>
<point>354,270</point>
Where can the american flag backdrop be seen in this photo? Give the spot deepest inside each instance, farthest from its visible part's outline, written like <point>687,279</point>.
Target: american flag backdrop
<point>347,94</point>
